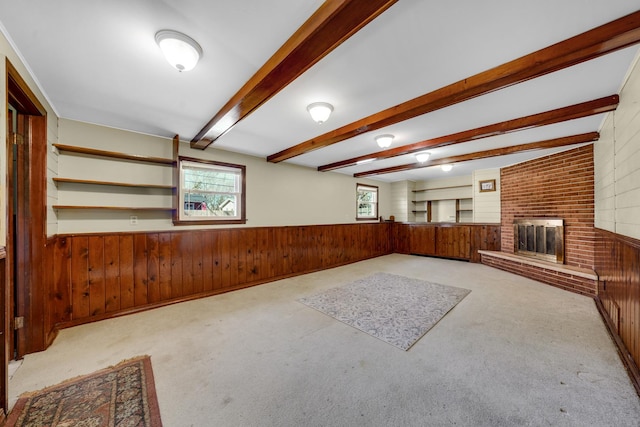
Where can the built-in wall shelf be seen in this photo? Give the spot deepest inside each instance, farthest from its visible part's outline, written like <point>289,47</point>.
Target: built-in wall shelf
<point>441,205</point>
<point>114,154</point>
<point>110,183</point>
<point>442,188</point>
<point>430,200</point>
<point>115,208</point>
<point>130,187</point>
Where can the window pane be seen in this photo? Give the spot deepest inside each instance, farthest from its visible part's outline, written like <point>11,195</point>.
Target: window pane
<point>211,191</point>
<point>210,205</point>
<point>210,180</point>
<point>366,209</point>
<point>366,202</point>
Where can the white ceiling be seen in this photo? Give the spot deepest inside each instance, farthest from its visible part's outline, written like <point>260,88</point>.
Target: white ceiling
<point>100,64</point>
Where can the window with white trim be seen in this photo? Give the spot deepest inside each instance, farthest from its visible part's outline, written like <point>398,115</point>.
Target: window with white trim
<point>211,192</point>
<point>366,202</point>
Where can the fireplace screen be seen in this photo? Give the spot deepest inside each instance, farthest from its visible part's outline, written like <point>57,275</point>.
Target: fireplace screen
<point>539,237</point>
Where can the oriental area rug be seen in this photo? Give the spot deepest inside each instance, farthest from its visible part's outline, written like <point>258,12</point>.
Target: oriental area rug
<point>122,395</point>
<point>396,309</point>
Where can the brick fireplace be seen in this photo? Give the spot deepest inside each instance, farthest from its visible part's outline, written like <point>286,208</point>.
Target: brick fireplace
<point>555,186</point>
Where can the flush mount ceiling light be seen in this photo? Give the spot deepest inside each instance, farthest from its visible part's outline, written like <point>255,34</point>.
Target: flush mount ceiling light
<point>180,50</point>
<point>447,167</point>
<point>320,111</point>
<point>384,141</point>
<point>423,156</point>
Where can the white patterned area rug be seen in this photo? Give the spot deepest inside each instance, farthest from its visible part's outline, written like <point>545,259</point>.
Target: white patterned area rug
<point>396,309</point>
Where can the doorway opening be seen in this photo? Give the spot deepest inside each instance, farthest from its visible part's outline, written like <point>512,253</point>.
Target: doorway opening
<point>23,293</point>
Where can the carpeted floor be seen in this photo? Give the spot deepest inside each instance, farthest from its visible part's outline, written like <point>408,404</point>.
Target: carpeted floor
<point>122,395</point>
<point>513,352</point>
<point>396,309</point>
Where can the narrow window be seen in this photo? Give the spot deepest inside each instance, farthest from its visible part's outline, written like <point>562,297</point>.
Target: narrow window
<point>366,202</point>
<point>211,192</point>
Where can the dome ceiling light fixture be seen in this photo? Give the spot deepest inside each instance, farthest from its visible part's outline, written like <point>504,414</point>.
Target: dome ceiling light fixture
<point>423,156</point>
<point>180,50</point>
<point>446,167</point>
<point>320,111</point>
<point>385,140</point>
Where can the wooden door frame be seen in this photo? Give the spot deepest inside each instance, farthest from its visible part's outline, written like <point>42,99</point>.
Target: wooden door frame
<point>32,117</point>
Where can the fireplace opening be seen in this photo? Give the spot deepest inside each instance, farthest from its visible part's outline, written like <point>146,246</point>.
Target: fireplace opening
<point>540,238</point>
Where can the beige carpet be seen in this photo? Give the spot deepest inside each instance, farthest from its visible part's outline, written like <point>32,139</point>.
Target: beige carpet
<point>513,352</point>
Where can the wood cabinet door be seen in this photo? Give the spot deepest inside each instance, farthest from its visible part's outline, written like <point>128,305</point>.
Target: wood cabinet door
<point>453,242</point>
<point>423,240</point>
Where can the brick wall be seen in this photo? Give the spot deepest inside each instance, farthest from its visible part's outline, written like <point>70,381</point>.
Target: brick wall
<point>559,185</point>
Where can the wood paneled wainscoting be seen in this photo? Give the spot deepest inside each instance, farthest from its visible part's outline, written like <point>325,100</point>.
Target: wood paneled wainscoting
<point>618,266</point>
<point>447,240</point>
<point>97,276</point>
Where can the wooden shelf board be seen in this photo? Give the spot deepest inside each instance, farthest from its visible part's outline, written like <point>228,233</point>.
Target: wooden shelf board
<point>117,184</point>
<point>438,200</point>
<point>442,188</point>
<point>117,208</point>
<point>114,154</point>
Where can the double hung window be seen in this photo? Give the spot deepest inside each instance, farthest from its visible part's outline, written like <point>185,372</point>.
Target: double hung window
<point>211,192</point>
<point>366,202</point>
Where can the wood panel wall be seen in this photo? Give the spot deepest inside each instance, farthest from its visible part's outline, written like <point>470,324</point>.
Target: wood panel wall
<point>4,345</point>
<point>448,240</point>
<point>98,276</point>
<point>618,267</point>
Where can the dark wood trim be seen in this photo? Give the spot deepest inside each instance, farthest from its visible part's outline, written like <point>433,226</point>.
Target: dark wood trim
<point>110,183</point>
<point>540,145</point>
<point>607,38</point>
<point>441,188</point>
<point>28,243</point>
<point>8,271</point>
<point>114,154</point>
<point>20,95</point>
<point>4,354</point>
<point>113,208</point>
<point>175,177</point>
<point>576,111</point>
<point>333,23</point>
<point>626,357</point>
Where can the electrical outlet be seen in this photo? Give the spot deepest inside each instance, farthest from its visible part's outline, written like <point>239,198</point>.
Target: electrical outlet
<point>133,220</point>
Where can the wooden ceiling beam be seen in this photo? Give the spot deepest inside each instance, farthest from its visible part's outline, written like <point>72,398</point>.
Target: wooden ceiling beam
<point>333,23</point>
<point>540,145</point>
<point>610,37</point>
<point>576,111</point>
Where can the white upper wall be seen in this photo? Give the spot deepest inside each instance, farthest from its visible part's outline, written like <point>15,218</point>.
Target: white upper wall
<point>486,204</point>
<point>276,194</point>
<point>617,164</point>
